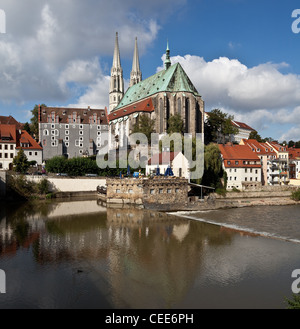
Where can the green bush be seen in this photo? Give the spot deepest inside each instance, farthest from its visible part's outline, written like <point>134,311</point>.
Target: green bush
<point>43,186</point>
<point>296,195</point>
<point>294,304</point>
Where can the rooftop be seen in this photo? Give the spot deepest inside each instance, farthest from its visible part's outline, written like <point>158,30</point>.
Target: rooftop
<point>174,79</point>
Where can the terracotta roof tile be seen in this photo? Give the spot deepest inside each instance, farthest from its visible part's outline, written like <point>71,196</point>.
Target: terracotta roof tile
<point>143,106</point>
<point>239,156</point>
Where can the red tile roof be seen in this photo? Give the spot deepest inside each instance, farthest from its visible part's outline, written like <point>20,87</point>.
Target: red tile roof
<point>10,121</point>
<point>242,125</point>
<point>61,114</point>
<point>144,106</point>
<point>259,148</point>
<point>239,156</point>
<point>294,153</point>
<point>162,158</point>
<point>8,133</point>
<point>25,138</point>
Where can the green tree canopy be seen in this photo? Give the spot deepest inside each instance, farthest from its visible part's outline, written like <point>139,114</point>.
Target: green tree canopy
<point>34,126</point>
<point>144,125</point>
<point>213,171</point>
<point>175,124</point>
<point>20,162</point>
<point>256,136</point>
<point>219,125</point>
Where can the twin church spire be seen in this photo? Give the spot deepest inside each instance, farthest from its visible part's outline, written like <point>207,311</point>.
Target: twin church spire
<point>116,91</point>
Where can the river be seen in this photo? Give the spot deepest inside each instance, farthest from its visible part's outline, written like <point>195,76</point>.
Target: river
<point>79,254</point>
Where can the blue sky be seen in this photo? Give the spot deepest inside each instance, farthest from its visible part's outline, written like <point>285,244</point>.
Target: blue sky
<point>242,55</point>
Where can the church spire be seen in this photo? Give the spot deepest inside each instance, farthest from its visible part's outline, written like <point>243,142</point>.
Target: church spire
<point>116,91</point>
<point>168,60</point>
<point>136,74</point>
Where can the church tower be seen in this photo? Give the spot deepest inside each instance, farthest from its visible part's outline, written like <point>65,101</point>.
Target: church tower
<point>136,74</point>
<point>116,90</point>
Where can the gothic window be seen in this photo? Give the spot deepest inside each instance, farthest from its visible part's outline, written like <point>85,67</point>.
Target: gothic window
<point>179,106</point>
<point>161,115</point>
<point>187,115</point>
<point>198,119</point>
<point>115,83</point>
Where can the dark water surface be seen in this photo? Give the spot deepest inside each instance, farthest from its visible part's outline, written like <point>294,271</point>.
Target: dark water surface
<point>79,254</point>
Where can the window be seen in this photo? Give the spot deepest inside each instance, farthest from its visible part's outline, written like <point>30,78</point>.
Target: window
<point>130,191</point>
<point>52,126</point>
<point>46,132</point>
<point>11,156</point>
<point>98,127</point>
<point>169,191</point>
<point>152,191</point>
<point>161,191</point>
<point>118,191</point>
<point>67,132</point>
<point>0,155</point>
<point>236,162</point>
<point>67,127</point>
<point>30,153</point>
<point>81,127</point>
<point>177,190</point>
<point>35,153</point>
<point>99,133</point>
<point>67,144</point>
<point>67,138</point>
<point>228,162</point>
<point>81,132</point>
<point>11,147</point>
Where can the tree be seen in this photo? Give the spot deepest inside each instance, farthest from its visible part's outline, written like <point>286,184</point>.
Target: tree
<point>291,144</point>
<point>220,126</point>
<point>175,124</point>
<point>144,125</point>
<point>256,136</point>
<point>34,126</point>
<point>20,162</point>
<point>213,171</point>
<point>27,127</point>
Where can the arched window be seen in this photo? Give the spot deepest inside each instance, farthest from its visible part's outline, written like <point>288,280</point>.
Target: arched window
<point>198,119</point>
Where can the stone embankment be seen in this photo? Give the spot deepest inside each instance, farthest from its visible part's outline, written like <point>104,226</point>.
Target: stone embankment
<point>267,196</point>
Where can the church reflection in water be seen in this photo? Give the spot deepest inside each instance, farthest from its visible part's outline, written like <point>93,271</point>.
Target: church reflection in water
<point>136,258</point>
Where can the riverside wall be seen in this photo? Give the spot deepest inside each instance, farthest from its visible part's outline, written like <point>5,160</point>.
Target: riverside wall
<point>65,186</point>
<point>2,184</point>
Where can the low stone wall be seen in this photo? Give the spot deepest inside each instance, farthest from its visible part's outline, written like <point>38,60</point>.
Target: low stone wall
<point>157,192</point>
<point>71,185</point>
<point>254,195</point>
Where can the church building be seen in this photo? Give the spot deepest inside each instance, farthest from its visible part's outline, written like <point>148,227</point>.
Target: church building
<point>160,96</point>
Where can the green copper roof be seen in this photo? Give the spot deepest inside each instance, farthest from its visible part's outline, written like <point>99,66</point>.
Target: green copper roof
<point>174,79</point>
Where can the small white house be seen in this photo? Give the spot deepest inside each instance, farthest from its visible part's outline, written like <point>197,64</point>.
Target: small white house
<point>175,160</point>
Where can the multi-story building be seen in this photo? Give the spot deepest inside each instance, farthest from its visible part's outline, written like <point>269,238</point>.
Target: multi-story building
<point>71,132</point>
<point>8,144</point>
<point>243,167</point>
<point>267,155</point>
<point>294,160</point>
<point>280,165</point>
<point>12,140</point>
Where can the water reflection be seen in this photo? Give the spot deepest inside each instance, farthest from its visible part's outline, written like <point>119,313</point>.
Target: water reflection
<point>81,254</point>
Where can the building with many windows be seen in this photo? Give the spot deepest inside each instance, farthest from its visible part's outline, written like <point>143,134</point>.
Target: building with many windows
<point>71,132</point>
<point>243,167</point>
<point>12,139</point>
